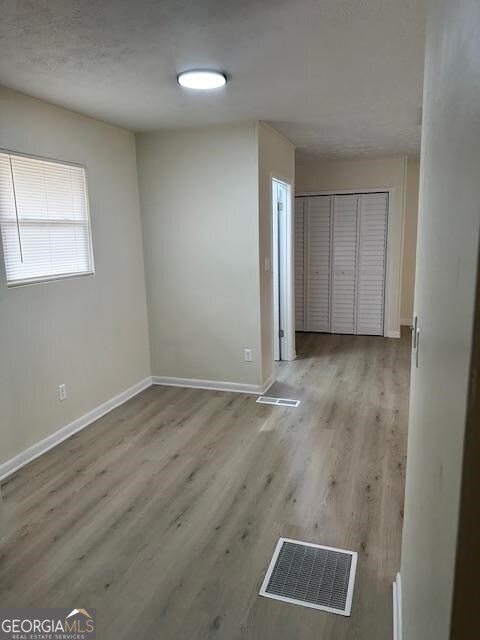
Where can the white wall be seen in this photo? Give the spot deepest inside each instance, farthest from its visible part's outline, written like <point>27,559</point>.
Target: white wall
<point>447,253</point>
<point>410,240</point>
<point>199,199</point>
<point>91,332</point>
<point>276,159</point>
<point>366,173</point>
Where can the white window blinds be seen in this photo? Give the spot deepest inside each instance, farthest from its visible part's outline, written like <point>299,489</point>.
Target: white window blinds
<point>44,219</point>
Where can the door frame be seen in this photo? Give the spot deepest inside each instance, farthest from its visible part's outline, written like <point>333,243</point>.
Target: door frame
<point>287,286</point>
<point>391,192</point>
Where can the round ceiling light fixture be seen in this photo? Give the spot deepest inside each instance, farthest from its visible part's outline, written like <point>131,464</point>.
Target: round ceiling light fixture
<point>201,79</point>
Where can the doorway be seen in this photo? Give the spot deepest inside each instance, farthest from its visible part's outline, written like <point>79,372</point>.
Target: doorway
<point>341,261</point>
<point>282,270</point>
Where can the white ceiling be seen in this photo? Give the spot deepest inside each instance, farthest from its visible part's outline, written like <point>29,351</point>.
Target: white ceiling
<point>337,77</point>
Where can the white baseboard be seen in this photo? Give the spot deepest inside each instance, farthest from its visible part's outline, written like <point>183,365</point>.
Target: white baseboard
<point>397,608</point>
<point>406,322</point>
<point>213,385</point>
<point>392,334</point>
<point>268,384</point>
<point>39,448</point>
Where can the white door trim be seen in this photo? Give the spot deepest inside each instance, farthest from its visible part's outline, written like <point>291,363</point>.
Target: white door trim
<point>275,261</point>
<point>287,286</point>
<point>397,608</point>
<point>344,192</point>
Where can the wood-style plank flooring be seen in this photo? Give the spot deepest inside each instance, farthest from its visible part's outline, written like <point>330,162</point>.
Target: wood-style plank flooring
<point>163,515</point>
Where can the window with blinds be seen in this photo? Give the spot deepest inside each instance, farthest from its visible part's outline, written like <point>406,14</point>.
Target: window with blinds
<point>44,219</point>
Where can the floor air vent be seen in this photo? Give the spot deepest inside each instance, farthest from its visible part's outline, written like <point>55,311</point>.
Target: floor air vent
<point>312,576</point>
<point>284,402</point>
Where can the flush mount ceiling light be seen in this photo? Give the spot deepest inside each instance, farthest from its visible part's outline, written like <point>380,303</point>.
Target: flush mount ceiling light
<point>201,79</point>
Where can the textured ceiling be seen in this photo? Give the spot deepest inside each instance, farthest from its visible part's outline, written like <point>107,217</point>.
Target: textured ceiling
<point>337,77</point>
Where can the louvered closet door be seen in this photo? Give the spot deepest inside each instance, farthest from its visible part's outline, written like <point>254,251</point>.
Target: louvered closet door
<point>299,264</point>
<point>371,263</point>
<point>344,263</point>
<point>318,230</point>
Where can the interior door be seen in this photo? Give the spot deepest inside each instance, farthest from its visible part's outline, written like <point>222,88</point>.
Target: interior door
<point>340,263</point>
<point>280,265</point>
<point>372,238</point>
<point>299,263</point>
<point>344,263</point>
<point>318,234</point>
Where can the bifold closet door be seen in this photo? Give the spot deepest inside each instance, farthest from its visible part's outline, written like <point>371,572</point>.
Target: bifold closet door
<point>318,225</point>
<point>344,263</point>
<point>299,264</point>
<point>372,240</point>
<point>340,262</point>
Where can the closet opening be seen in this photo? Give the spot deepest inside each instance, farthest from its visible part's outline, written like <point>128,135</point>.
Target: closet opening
<point>282,270</point>
<point>341,262</point>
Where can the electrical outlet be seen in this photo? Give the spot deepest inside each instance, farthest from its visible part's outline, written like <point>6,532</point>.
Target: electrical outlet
<point>247,353</point>
<point>62,392</point>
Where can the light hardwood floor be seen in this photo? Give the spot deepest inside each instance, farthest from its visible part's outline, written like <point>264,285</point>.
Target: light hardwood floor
<point>163,515</point>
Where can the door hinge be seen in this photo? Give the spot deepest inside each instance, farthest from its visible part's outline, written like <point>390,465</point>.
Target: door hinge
<point>279,206</point>
<point>282,333</point>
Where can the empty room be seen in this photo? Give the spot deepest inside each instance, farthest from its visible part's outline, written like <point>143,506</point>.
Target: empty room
<point>239,319</point>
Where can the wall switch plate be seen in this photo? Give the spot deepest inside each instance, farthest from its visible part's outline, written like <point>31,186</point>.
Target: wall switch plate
<point>248,355</point>
<point>62,392</point>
